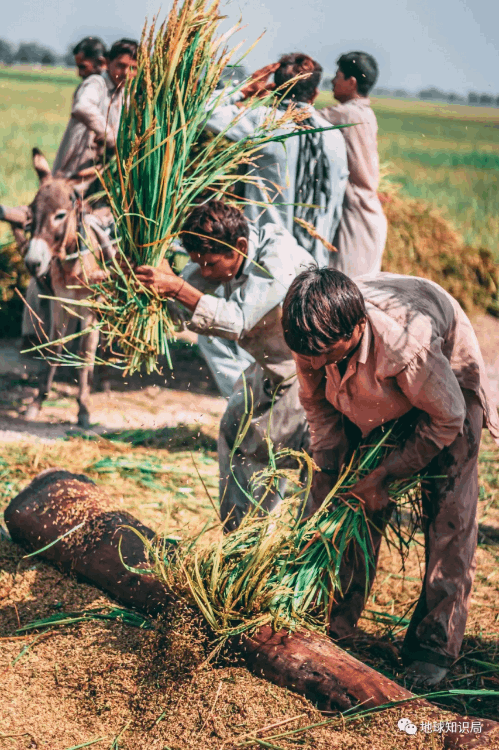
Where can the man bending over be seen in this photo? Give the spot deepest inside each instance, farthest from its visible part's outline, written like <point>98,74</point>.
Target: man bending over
<point>255,269</point>
<point>370,353</point>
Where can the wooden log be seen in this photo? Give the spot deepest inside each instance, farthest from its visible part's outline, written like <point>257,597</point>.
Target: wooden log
<point>58,501</point>
<point>307,663</point>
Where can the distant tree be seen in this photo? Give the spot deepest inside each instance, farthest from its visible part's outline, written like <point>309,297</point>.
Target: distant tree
<point>6,52</point>
<point>486,99</point>
<point>401,93</point>
<point>497,101</point>
<point>68,57</point>
<point>32,52</point>
<point>433,93</point>
<point>473,98</point>
<point>326,83</point>
<point>381,92</point>
<point>48,58</point>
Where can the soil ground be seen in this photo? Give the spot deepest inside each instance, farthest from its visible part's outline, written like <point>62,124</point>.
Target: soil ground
<point>111,685</point>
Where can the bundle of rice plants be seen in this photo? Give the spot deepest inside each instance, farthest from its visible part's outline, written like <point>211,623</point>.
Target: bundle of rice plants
<point>282,569</point>
<point>162,170</point>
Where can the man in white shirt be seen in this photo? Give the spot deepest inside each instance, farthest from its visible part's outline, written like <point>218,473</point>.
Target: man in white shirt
<point>255,269</point>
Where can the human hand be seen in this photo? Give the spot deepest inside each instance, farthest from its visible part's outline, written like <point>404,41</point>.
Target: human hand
<point>258,84</point>
<point>161,280</point>
<point>372,491</point>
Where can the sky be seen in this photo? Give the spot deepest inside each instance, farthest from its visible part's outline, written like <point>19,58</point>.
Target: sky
<point>450,44</point>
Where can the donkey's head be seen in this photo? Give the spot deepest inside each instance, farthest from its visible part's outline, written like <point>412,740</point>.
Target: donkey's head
<point>53,220</point>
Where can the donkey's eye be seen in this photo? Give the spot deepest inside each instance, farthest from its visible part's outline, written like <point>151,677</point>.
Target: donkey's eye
<point>60,215</point>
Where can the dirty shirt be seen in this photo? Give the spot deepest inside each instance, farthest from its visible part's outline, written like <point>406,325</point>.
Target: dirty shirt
<point>361,235</point>
<point>419,351</point>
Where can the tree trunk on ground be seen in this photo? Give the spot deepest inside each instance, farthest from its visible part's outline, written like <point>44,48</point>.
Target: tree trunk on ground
<point>57,501</point>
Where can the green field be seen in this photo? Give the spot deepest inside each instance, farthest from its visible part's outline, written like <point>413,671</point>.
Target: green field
<point>445,154</point>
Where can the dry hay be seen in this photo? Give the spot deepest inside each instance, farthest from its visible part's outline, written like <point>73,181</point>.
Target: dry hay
<point>422,242</point>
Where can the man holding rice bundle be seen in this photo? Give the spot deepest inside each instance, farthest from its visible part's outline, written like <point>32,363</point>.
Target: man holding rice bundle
<point>375,351</point>
<point>255,269</point>
<point>304,179</point>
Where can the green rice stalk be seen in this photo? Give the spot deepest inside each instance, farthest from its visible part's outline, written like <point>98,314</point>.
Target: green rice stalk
<point>281,569</point>
<point>161,171</point>
<point>127,616</point>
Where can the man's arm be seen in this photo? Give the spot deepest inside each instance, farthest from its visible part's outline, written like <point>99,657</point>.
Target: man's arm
<point>265,286</point>
<point>87,105</point>
<point>431,386</point>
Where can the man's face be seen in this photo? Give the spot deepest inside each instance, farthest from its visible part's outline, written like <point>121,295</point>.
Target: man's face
<point>221,267</point>
<point>343,88</point>
<point>339,350</point>
<point>85,66</point>
<point>121,68</point>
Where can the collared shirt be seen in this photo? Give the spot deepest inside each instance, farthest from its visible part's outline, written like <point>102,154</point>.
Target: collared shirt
<point>95,111</point>
<point>418,350</point>
<point>273,192</point>
<point>250,310</point>
<point>361,235</point>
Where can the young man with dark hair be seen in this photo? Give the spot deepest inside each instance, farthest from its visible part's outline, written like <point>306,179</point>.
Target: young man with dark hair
<point>303,179</point>
<point>90,56</point>
<point>361,234</point>
<point>90,60</point>
<point>385,348</point>
<point>95,116</point>
<point>92,128</point>
<point>122,61</point>
<point>255,269</point>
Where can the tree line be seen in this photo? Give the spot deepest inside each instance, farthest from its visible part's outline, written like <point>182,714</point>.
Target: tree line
<point>33,53</point>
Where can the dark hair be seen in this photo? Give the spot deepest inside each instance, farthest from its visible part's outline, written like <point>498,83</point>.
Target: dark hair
<point>362,67</point>
<point>294,64</point>
<point>123,47</point>
<point>91,47</point>
<point>322,306</point>
<point>222,223</point>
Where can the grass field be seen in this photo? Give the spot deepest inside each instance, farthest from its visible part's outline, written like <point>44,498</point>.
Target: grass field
<point>445,154</point>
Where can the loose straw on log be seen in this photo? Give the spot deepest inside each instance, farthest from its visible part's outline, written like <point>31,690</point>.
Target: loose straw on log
<point>57,502</point>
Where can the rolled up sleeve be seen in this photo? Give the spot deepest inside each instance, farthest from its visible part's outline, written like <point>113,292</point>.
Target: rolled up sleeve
<point>234,318</point>
<point>86,107</point>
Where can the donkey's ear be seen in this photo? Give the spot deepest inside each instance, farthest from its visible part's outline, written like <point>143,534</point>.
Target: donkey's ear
<point>41,166</point>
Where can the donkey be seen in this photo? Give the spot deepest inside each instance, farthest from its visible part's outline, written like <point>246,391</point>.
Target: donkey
<point>57,219</point>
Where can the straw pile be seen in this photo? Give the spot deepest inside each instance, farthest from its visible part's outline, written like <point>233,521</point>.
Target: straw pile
<point>422,242</point>
<point>282,569</point>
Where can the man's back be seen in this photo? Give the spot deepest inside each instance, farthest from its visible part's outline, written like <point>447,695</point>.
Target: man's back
<point>361,235</point>
<point>276,171</point>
